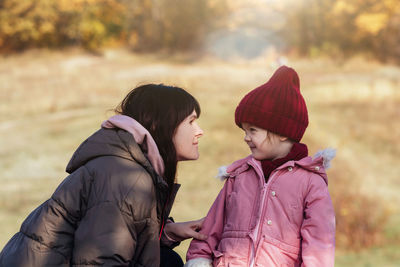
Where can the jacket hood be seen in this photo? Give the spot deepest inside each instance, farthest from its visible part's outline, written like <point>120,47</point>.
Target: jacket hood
<point>141,136</point>
<point>108,142</point>
<point>316,164</point>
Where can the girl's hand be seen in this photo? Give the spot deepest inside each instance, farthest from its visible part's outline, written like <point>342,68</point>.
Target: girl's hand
<point>184,230</point>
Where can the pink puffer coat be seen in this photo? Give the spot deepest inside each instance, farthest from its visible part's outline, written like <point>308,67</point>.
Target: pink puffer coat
<point>288,221</point>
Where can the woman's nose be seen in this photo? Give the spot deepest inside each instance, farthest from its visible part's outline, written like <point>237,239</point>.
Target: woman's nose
<point>199,131</point>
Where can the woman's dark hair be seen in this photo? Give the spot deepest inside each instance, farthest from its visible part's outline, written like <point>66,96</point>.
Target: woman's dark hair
<point>160,109</point>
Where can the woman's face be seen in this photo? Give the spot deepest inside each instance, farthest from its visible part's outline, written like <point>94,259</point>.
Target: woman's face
<point>186,138</point>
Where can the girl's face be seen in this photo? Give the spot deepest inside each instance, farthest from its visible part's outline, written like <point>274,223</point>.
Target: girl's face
<point>186,138</point>
<point>263,145</point>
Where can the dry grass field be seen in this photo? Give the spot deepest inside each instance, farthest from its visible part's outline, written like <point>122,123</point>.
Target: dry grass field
<point>51,101</point>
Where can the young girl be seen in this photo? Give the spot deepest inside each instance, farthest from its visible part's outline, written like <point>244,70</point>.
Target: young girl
<point>275,208</point>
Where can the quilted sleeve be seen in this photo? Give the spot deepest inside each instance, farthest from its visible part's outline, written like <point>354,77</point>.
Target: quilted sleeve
<point>318,228</point>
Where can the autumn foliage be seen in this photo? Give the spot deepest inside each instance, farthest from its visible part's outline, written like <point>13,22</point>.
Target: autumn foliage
<point>343,28</point>
<point>141,24</point>
<point>337,28</point>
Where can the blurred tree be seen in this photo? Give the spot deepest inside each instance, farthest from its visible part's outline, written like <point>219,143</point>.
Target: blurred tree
<point>379,29</point>
<point>170,24</point>
<point>343,28</point>
<point>145,25</point>
<point>46,23</point>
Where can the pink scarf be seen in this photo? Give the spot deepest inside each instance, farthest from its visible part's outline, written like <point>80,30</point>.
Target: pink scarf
<point>140,134</point>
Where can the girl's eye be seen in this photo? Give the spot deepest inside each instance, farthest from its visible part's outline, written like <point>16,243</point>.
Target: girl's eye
<point>252,130</point>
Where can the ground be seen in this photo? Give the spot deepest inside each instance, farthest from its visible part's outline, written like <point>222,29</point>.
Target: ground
<point>52,100</point>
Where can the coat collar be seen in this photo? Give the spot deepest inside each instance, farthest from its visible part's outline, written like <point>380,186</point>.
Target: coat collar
<point>316,164</point>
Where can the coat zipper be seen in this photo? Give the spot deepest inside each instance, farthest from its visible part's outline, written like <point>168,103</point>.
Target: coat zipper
<point>257,228</point>
<point>259,223</point>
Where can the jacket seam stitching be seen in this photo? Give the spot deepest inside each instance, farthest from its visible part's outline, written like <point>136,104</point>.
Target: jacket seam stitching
<point>62,204</point>
<point>44,244</point>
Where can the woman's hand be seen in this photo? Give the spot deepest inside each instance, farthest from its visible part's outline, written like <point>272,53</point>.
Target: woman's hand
<point>184,230</point>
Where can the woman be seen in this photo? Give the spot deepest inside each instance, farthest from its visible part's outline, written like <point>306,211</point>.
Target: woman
<point>112,208</point>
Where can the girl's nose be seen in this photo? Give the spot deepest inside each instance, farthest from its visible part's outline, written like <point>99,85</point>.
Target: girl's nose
<point>247,138</point>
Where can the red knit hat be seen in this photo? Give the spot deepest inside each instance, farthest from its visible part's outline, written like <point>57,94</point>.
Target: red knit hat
<point>276,106</point>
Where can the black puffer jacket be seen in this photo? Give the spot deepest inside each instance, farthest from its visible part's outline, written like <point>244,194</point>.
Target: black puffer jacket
<point>106,212</point>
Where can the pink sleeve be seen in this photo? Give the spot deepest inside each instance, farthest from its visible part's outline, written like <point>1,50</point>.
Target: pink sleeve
<point>212,227</point>
<point>318,228</point>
